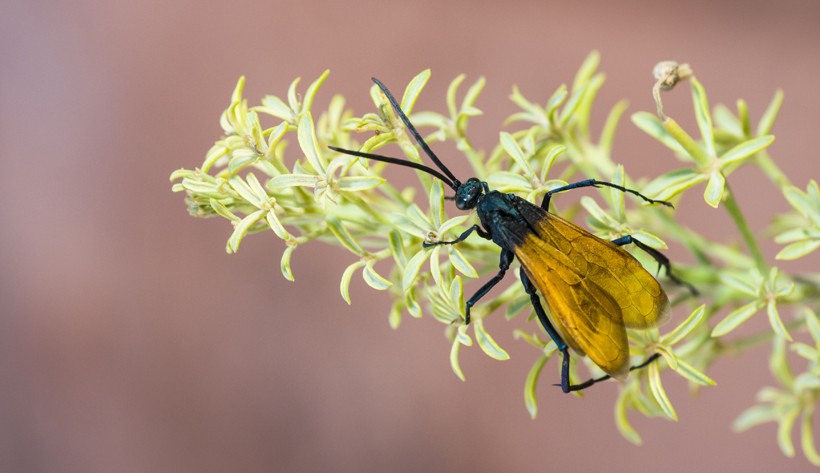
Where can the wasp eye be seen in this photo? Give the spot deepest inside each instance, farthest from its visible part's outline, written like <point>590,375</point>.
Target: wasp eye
<point>468,194</point>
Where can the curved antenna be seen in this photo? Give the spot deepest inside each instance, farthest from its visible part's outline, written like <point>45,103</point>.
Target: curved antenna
<point>416,135</point>
<point>400,162</point>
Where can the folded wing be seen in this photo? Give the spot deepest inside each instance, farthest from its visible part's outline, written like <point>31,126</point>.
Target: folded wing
<point>593,288</point>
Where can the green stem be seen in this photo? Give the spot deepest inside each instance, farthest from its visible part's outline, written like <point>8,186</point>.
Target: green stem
<point>742,344</point>
<point>770,169</point>
<point>692,149</point>
<point>743,227</point>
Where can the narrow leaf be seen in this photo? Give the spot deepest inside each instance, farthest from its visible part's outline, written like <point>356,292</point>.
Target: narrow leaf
<point>743,117</point>
<point>456,295</point>
<point>714,189</point>
<point>736,318</point>
<point>798,250</point>
<point>242,188</point>
<point>508,182</point>
<point>486,342</point>
<point>622,421</point>
<point>740,282</point>
<point>461,263</point>
<point>658,392</point>
<point>342,235</point>
<point>241,159</point>
<point>784,431</point>
<point>767,120</point>
<point>650,239</point>
<point>411,271</point>
<point>575,99</point>
<point>454,364</point>
<point>775,320</point>
<point>394,318</point>
<point>703,116</point>
<point>451,224</point>
<point>555,101</point>
<point>222,210</point>
<point>347,275</point>
<point>701,157</point>
<point>515,152</point>
<point>413,89</point>
<point>276,107</point>
<point>746,149</point>
<point>753,416</point>
<point>307,142</point>
<point>673,183</point>
<point>413,306</point>
<point>359,183</point>
<point>472,94</point>
<point>693,374</point>
<point>310,93</point>
<point>276,225</point>
<point>652,126</point>
<point>241,230</point>
<point>611,125</point>
<point>374,279</point>
<point>530,384</point>
<point>284,263</point>
<point>685,328</point>
<point>587,69</point>
<point>812,323</point>
<point>807,436</point>
<point>779,363</point>
<point>452,90</point>
<point>397,248</point>
<point>293,97</point>
<point>293,180</point>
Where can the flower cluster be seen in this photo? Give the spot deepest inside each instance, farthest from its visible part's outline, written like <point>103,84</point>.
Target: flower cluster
<point>300,194</point>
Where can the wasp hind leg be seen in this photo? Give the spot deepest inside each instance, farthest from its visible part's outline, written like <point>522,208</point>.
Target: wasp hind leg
<point>590,382</point>
<point>562,346</point>
<point>545,322</point>
<point>662,260</point>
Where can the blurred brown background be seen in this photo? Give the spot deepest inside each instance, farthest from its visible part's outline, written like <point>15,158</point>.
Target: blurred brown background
<point>130,342</point>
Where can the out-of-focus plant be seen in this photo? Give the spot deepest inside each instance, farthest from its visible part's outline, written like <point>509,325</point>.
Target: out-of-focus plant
<point>307,192</point>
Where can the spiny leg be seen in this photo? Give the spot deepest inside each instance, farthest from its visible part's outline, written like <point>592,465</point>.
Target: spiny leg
<point>596,183</point>
<point>503,265</point>
<point>545,322</point>
<point>504,262</point>
<point>662,260</point>
<point>562,346</point>
<point>475,228</point>
<point>590,382</point>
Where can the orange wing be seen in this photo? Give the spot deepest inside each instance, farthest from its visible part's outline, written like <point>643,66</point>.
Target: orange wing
<point>593,288</point>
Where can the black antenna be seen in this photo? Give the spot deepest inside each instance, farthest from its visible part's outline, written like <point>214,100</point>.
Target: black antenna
<point>400,162</point>
<point>454,183</point>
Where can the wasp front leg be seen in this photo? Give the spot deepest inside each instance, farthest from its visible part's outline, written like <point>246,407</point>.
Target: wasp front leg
<point>475,228</point>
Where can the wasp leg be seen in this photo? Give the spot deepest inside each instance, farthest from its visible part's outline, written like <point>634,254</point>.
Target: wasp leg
<point>562,346</point>
<point>545,204</point>
<point>545,322</point>
<point>475,228</point>
<point>590,382</point>
<point>503,265</point>
<point>662,260</point>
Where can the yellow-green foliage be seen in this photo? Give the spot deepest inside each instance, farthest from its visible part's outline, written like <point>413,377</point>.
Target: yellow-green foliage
<point>307,192</point>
